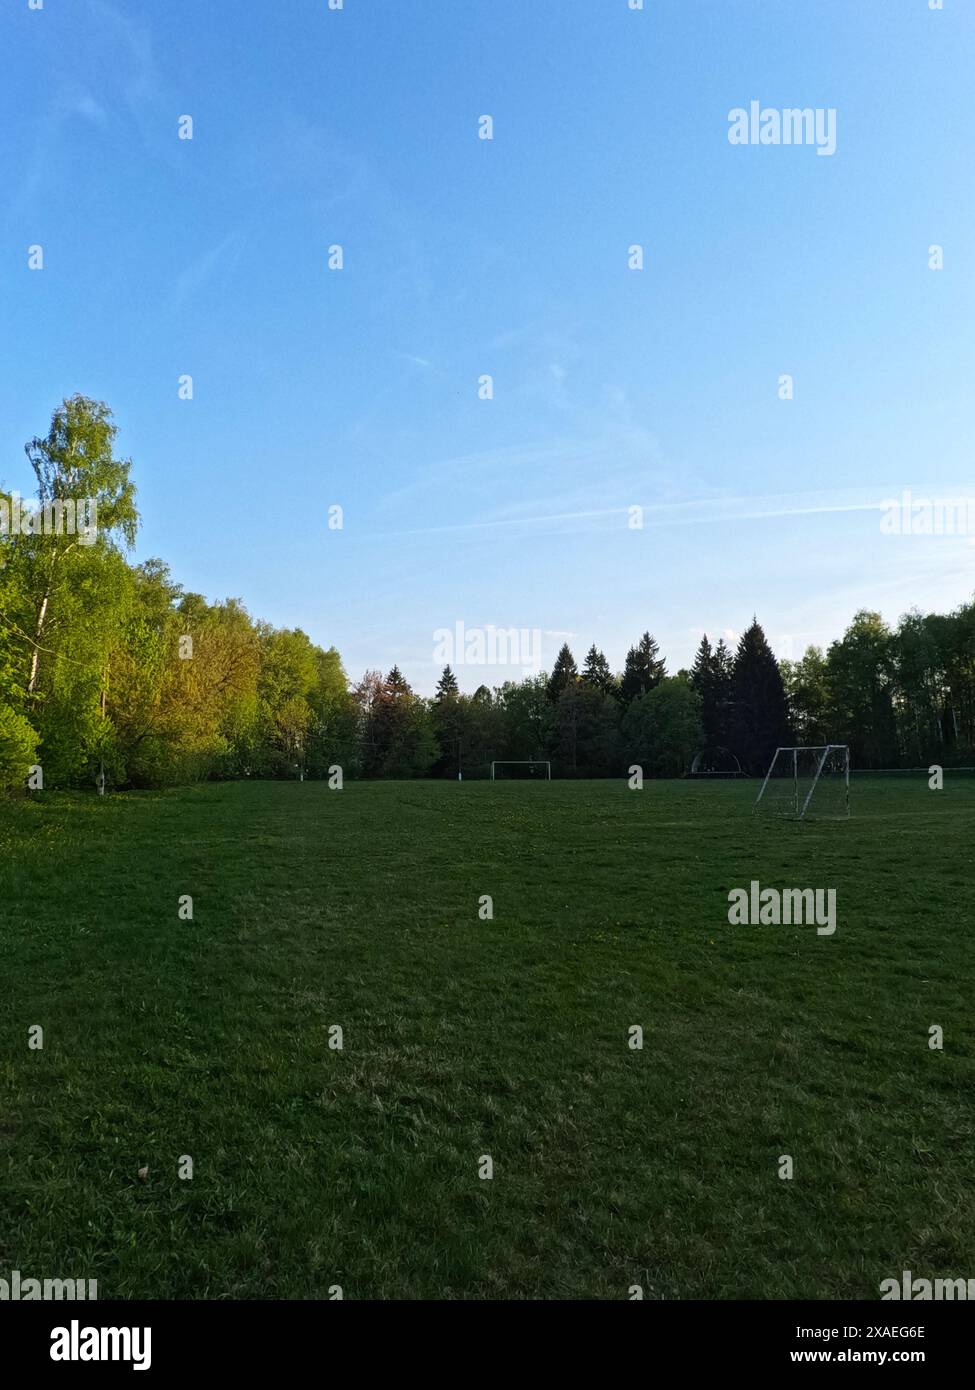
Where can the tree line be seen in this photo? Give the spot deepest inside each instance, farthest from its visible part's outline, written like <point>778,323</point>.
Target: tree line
<point>109,669</point>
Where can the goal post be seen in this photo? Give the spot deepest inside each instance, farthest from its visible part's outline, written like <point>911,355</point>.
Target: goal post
<point>528,768</point>
<point>804,783</point>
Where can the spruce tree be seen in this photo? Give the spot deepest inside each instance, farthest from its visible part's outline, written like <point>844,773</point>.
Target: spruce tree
<point>711,678</point>
<point>703,681</point>
<point>596,670</point>
<point>397,682</point>
<point>448,717</point>
<point>723,667</point>
<point>447,685</point>
<point>644,669</point>
<point>563,673</point>
<point>703,669</point>
<point>399,739</point>
<point>760,713</point>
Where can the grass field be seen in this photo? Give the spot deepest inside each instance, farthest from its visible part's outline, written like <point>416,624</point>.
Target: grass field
<point>462,1037</point>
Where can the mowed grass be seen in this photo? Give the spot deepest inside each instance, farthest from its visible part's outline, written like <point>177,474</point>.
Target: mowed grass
<point>462,1037</point>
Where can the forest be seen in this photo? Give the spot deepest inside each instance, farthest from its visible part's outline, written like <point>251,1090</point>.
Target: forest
<point>109,669</point>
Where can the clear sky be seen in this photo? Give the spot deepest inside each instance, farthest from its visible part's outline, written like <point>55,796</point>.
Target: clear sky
<point>613,387</point>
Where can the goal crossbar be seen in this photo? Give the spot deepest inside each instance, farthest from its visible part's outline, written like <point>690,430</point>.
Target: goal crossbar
<point>522,762</point>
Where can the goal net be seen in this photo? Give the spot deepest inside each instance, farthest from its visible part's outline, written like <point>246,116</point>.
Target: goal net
<point>807,783</point>
<point>509,771</point>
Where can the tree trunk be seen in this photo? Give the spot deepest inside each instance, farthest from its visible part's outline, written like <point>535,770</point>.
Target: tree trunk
<point>38,634</point>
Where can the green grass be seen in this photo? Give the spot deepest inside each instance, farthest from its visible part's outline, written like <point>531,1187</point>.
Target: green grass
<point>463,1037</point>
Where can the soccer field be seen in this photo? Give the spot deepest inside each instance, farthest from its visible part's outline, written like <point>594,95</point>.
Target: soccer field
<point>462,1037</point>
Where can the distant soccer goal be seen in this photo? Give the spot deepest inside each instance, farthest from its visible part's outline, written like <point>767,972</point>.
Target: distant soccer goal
<point>807,783</point>
<point>715,762</point>
<point>510,771</point>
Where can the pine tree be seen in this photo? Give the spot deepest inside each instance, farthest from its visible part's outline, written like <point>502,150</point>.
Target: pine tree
<point>724,680</point>
<point>711,678</point>
<point>644,669</point>
<point>760,713</point>
<point>596,670</point>
<point>447,685</point>
<point>724,663</point>
<point>448,713</point>
<point>704,684</point>
<point>703,668</point>
<point>563,674</point>
<point>398,740</point>
<point>702,661</point>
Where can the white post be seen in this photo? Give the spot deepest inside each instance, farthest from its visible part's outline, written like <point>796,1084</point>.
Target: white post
<point>819,773</point>
<point>795,779</point>
<point>768,775</point>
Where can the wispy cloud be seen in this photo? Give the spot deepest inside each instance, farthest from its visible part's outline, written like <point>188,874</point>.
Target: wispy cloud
<point>193,280</point>
<point>80,102</point>
<point>698,511</point>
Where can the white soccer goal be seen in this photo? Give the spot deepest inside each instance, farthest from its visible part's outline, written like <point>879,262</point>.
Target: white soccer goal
<point>528,768</point>
<point>806,783</point>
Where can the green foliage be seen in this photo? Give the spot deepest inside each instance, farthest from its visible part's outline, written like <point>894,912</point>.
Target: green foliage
<point>452,721</point>
<point>806,683</point>
<point>332,739</point>
<point>563,673</point>
<point>527,723</point>
<point>861,674</point>
<point>120,672</point>
<point>760,712</point>
<point>596,671</point>
<point>587,725</point>
<point>644,669</point>
<point>115,669</point>
<point>398,738</point>
<point>447,685</point>
<point>663,729</point>
<point>75,460</point>
<point>712,680</point>
<point>18,747</point>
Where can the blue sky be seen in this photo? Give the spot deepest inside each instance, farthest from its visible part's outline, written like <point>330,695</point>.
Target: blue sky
<point>612,388</point>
